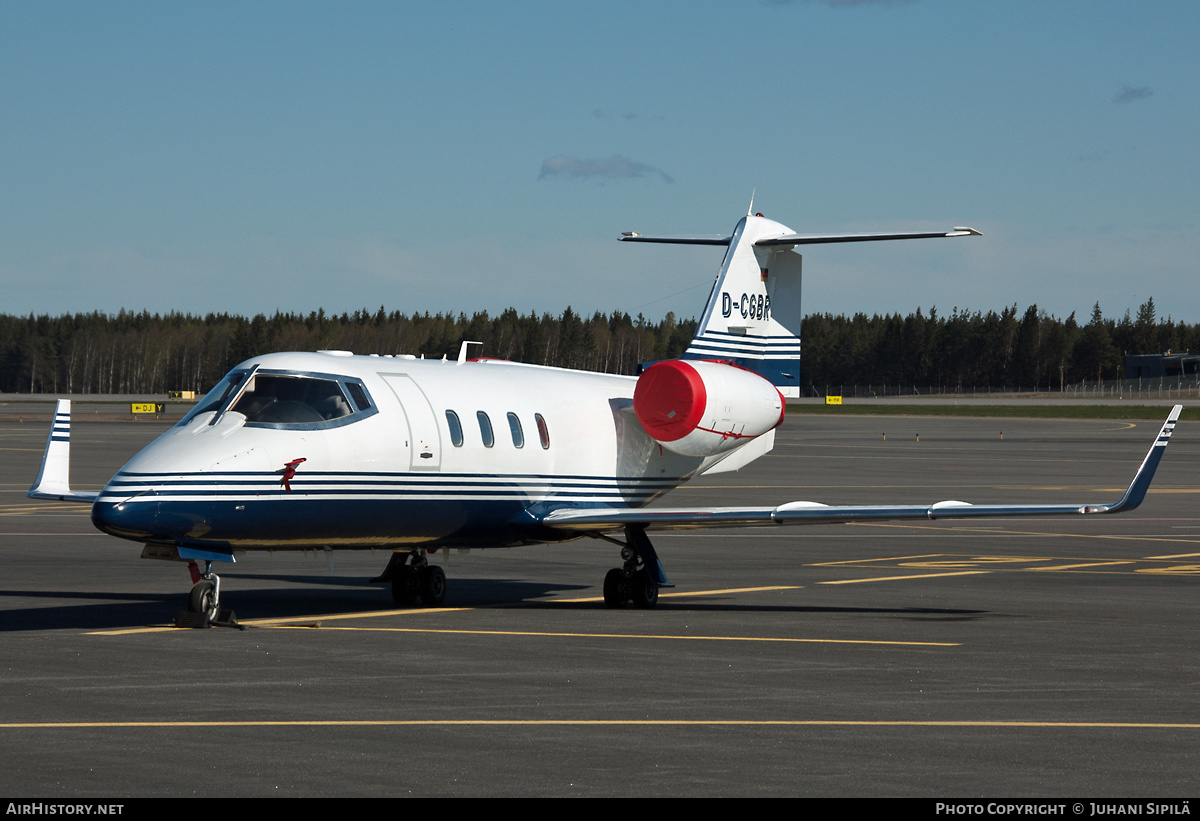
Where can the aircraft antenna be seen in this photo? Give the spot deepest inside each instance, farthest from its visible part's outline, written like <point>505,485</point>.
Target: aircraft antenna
<point>750,210</point>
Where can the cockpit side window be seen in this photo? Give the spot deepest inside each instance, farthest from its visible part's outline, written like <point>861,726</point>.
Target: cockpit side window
<point>359,394</point>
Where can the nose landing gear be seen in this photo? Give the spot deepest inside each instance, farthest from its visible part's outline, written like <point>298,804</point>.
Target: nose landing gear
<point>204,601</point>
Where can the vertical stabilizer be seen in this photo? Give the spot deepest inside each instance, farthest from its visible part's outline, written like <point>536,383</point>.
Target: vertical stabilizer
<point>753,314</point>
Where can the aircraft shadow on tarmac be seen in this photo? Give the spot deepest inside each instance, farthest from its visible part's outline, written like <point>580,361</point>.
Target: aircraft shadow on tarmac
<point>85,611</point>
<point>341,596</point>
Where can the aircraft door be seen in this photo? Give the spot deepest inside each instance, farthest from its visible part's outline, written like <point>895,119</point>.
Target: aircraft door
<point>421,429</point>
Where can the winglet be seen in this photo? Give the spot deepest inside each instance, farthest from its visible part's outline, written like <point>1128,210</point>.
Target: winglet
<point>52,480</point>
<point>1141,480</point>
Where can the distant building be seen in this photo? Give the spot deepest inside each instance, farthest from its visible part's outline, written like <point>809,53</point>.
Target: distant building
<point>1154,366</point>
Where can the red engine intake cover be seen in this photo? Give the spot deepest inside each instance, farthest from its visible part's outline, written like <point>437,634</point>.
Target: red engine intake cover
<point>669,400</point>
<point>704,408</point>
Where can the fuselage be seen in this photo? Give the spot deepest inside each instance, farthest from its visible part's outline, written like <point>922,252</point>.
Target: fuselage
<point>301,450</point>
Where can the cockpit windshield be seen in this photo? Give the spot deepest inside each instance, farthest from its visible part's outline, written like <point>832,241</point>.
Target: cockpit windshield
<point>287,399</point>
<point>217,397</point>
<point>291,399</point>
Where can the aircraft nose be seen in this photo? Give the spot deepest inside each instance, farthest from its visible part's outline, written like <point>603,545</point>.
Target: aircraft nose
<point>147,520</point>
<point>127,520</point>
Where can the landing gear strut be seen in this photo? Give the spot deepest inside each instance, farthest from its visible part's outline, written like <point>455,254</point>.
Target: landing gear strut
<point>412,577</point>
<point>640,578</point>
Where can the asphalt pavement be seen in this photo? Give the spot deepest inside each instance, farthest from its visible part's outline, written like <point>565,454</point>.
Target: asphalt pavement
<point>1028,657</point>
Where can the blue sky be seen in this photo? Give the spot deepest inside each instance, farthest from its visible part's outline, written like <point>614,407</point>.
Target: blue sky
<point>460,156</point>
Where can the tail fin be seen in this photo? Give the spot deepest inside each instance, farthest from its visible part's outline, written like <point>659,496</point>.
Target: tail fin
<point>52,481</point>
<point>753,313</point>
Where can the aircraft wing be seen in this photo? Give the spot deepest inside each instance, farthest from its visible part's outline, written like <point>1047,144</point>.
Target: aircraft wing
<point>814,239</point>
<point>66,496</point>
<point>602,519</point>
<point>52,479</point>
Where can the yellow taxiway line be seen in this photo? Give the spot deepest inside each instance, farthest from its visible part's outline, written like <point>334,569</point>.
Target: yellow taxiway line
<point>301,621</point>
<point>547,634</point>
<point>912,576</point>
<point>317,623</point>
<point>1003,532</point>
<point>720,592</point>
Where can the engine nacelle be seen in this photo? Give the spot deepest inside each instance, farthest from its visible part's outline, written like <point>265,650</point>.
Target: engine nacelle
<point>700,408</point>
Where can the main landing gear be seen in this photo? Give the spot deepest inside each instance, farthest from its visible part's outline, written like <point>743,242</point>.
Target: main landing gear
<point>640,578</point>
<point>412,578</point>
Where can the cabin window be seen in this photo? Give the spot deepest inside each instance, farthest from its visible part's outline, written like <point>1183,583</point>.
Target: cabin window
<point>456,436</point>
<point>485,429</point>
<point>514,425</point>
<point>543,431</point>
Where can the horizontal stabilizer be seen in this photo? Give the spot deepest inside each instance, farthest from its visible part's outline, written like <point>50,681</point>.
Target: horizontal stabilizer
<point>753,315</point>
<point>800,239</point>
<point>52,479</point>
<point>708,239</point>
<point>602,519</point>
<point>815,239</point>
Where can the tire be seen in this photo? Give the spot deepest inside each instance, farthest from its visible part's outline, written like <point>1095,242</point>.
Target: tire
<point>616,588</point>
<point>405,586</point>
<point>645,592</point>
<point>203,600</point>
<point>433,586</point>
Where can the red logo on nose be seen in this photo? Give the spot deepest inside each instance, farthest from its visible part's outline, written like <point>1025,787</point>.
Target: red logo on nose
<point>289,473</point>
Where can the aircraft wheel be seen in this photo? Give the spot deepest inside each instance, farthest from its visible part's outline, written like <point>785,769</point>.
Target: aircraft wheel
<point>203,599</point>
<point>433,586</point>
<point>616,588</point>
<point>406,586</point>
<point>645,592</point>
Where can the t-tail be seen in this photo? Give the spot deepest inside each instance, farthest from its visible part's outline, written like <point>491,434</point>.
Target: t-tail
<point>753,314</point>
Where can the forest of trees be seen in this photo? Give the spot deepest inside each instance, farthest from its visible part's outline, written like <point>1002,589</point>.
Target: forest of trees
<point>150,353</point>
<point>994,350</point>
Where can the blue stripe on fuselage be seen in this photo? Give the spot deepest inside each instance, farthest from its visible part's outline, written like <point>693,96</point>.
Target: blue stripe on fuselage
<point>348,509</point>
<point>280,523</point>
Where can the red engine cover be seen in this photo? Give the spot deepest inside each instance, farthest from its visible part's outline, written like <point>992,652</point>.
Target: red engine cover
<point>669,400</point>
<point>704,408</point>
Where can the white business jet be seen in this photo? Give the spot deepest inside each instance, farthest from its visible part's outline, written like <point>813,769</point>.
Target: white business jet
<point>328,450</point>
